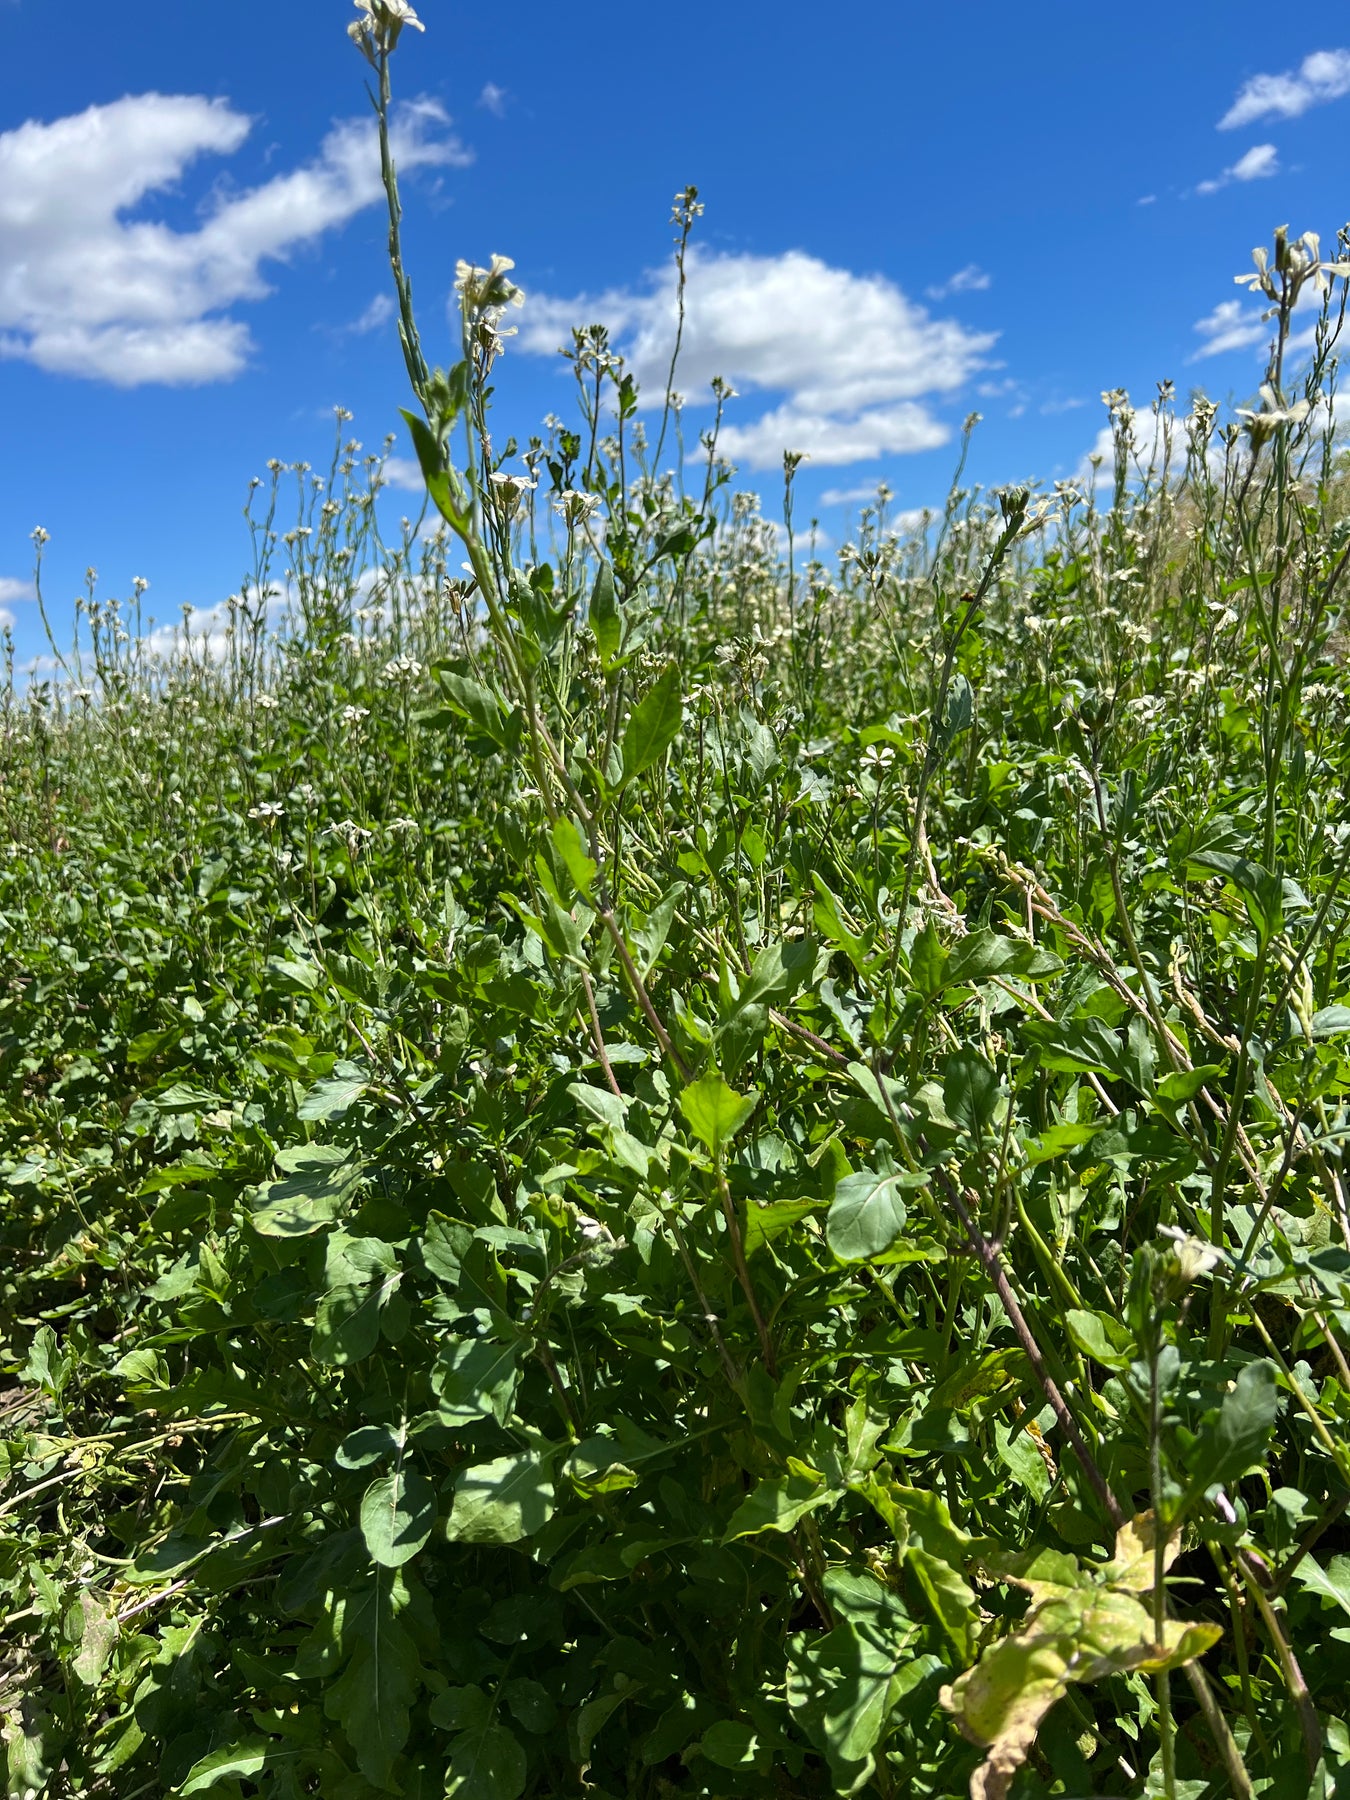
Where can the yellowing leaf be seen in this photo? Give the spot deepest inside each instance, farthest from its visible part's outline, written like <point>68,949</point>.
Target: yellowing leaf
<point>1080,1635</point>
<point>1133,1565</point>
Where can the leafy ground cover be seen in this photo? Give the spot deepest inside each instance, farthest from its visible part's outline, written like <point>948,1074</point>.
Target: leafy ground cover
<point>651,1168</point>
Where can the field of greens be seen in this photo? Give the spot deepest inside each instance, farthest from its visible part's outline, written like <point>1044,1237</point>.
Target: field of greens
<point>633,1164</point>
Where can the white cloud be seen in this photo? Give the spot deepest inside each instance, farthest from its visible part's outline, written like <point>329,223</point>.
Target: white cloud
<point>493,99</point>
<point>1236,325</point>
<point>970,280</point>
<point>85,291</point>
<point>863,494</point>
<point>1323,76</point>
<point>1231,326</point>
<point>13,588</point>
<point>851,354</point>
<point>834,442</point>
<point>6,619</point>
<point>403,472</point>
<point>1259,162</point>
<point>377,315</point>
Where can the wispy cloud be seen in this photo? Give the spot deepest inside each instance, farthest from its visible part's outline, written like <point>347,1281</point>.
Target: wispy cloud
<point>12,588</point>
<point>1323,76</point>
<point>863,493</point>
<point>970,280</point>
<point>493,99</point>
<point>376,316</point>
<point>1231,326</point>
<point>84,291</point>
<point>1261,161</point>
<point>1237,325</point>
<point>850,357</point>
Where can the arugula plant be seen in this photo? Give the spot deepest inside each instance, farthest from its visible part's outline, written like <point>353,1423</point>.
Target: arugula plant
<point>652,1171</point>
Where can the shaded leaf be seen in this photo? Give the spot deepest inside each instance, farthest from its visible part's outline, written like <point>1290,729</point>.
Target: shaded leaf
<point>502,1501</point>
<point>397,1515</point>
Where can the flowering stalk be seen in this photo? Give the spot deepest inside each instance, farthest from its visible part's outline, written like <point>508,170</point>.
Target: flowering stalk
<point>376,35</point>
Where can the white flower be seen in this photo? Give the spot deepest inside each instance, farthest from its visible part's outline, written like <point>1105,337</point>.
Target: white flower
<point>575,507</point>
<point>400,828</point>
<point>353,715</point>
<point>266,809</point>
<point>401,668</point>
<point>354,836</point>
<point>511,490</point>
<point>268,702</point>
<point>1261,424</point>
<point>490,288</point>
<point>382,20</point>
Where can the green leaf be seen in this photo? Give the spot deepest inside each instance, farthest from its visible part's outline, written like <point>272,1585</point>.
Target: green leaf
<point>868,1214</point>
<point>1261,892</point>
<point>363,1276</point>
<point>1239,1437</point>
<point>442,484</point>
<point>475,1379</point>
<point>1076,1044</point>
<point>947,1592</point>
<point>714,1111</point>
<point>928,961</point>
<point>372,1699</point>
<point>841,1687</point>
<point>398,1512</point>
<point>777,1505</point>
<point>1330,1021</point>
<point>985,954</point>
<point>330,1099</point>
<point>653,724</point>
<point>648,936</point>
<point>1017,1451</point>
<point>317,1182</point>
<point>487,1764</point>
<point>247,1758</point>
<point>606,618</point>
<point>480,706</point>
<point>971,1092</point>
<point>567,841</point>
<point>99,1632</point>
<point>1098,1335</point>
<point>444,1244</point>
<point>1181,1085</point>
<point>731,1744</point>
<point>502,1501</point>
<point>1331,1583</point>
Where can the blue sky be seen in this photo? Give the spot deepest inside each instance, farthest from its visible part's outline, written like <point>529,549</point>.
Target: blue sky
<point>911,212</point>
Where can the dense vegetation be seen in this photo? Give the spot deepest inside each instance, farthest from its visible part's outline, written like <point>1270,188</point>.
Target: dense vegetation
<point>647,1168</point>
